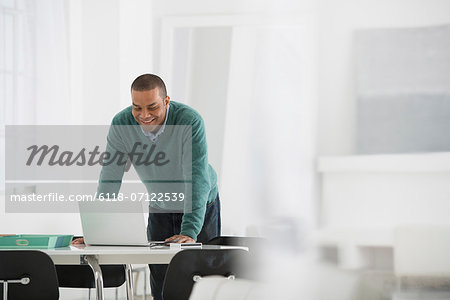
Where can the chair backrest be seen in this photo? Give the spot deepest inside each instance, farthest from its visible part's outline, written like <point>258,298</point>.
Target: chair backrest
<point>255,265</point>
<point>202,262</point>
<point>35,265</point>
<point>253,243</point>
<point>81,276</point>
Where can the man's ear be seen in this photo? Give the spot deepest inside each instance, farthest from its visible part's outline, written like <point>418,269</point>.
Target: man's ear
<point>167,101</point>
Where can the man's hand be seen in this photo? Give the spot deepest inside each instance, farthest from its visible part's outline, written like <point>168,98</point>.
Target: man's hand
<point>179,238</point>
<point>78,241</point>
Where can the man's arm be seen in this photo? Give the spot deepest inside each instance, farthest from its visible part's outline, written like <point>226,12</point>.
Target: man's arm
<point>192,222</point>
<point>114,165</point>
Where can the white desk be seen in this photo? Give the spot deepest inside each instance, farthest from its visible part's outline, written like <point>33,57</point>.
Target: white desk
<point>94,256</point>
<point>112,254</point>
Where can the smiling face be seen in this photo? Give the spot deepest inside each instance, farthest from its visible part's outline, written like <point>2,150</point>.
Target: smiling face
<point>149,108</point>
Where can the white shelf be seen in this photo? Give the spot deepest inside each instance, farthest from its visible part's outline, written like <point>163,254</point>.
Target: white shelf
<point>421,162</point>
<point>366,237</point>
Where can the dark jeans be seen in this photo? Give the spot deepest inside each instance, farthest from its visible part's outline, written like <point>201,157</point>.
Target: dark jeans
<point>164,225</point>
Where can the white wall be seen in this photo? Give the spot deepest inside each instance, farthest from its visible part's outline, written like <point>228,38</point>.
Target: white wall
<point>338,21</point>
<point>111,44</point>
<point>100,52</point>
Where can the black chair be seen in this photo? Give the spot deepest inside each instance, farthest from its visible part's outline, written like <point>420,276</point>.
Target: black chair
<point>254,265</point>
<point>27,274</point>
<point>253,243</point>
<point>187,265</point>
<point>81,276</point>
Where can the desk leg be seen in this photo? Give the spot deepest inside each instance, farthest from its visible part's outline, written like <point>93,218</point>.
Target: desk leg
<point>129,282</point>
<point>5,290</point>
<point>92,261</point>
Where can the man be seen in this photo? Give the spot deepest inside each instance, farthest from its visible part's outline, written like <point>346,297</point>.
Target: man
<point>152,112</point>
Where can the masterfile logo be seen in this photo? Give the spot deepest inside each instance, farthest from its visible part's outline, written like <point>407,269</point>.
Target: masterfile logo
<point>90,158</point>
<point>51,168</point>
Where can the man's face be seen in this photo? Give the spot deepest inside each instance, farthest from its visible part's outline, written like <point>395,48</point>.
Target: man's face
<point>149,108</point>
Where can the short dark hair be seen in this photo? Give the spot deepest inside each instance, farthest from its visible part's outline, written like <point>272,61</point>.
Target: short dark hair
<point>147,82</point>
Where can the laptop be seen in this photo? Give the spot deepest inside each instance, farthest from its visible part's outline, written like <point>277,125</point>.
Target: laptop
<point>103,226</point>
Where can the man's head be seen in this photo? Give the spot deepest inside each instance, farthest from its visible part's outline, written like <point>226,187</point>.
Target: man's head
<point>150,100</point>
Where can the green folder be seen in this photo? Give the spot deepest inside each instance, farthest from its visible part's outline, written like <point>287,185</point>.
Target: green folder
<point>35,241</point>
